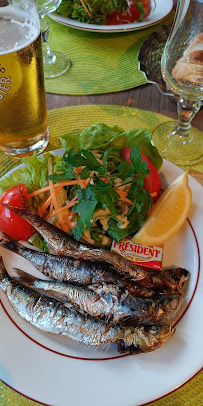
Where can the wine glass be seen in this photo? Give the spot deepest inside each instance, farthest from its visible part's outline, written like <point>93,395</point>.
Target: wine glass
<point>55,63</point>
<point>182,70</point>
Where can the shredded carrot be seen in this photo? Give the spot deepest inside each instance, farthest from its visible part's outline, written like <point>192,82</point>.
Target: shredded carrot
<point>78,170</point>
<point>121,193</point>
<point>68,183</point>
<point>88,239</point>
<point>105,179</point>
<point>125,199</point>
<point>68,228</point>
<point>154,194</point>
<point>88,180</point>
<point>71,204</point>
<point>85,7</point>
<point>51,209</point>
<point>48,202</point>
<point>71,224</point>
<point>58,224</point>
<point>55,203</point>
<point>44,206</point>
<point>56,185</point>
<point>81,183</point>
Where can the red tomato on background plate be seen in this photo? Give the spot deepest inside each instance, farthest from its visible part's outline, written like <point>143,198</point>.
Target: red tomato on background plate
<point>152,182</point>
<point>130,15</point>
<point>11,223</point>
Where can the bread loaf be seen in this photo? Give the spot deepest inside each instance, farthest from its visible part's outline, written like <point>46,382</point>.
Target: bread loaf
<point>190,67</point>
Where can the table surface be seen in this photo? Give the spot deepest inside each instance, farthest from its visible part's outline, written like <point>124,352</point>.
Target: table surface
<point>147,97</point>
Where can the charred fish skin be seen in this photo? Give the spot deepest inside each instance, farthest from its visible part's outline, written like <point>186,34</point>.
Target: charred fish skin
<point>144,339</point>
<point>172,279</point>
<point>86,272</point>
<point>83,272</point>
<point>65,245</point>
<point>51,316</point>
<point>60,267</point>
<point>108,302</point>
<point>72,270</point>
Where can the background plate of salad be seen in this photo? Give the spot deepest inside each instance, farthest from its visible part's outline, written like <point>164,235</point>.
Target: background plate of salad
<point>129,15</point>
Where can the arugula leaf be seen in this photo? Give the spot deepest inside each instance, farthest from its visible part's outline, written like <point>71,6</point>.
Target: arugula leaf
<point>125,170</point>
<point>117,233</point>
<point>106,196</point>
<point>83,158</point>
<point>85,210</point>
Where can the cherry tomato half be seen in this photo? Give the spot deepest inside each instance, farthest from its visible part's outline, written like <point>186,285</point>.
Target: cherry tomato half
<point>11,223</point>
<point>129,15</point>
<point>152,182</point>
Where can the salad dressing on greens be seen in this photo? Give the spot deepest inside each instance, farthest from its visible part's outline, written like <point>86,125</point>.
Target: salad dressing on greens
<point>95,196</point>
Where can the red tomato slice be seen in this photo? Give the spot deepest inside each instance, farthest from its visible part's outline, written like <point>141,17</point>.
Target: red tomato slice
<point>152,182</point>
<point>11,223</point>
<point>129,15</point>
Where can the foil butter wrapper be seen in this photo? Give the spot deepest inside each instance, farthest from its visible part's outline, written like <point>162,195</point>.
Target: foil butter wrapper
<point>143,255</point>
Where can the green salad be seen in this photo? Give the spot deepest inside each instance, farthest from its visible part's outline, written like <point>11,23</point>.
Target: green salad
<point>98,11</point>
<point>91,192</point>
<point>91,11</point>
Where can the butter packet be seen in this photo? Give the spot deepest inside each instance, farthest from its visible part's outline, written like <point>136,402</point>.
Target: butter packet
<point>143,255</point>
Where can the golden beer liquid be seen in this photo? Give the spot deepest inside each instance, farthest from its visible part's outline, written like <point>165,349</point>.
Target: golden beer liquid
<point>23,113</point>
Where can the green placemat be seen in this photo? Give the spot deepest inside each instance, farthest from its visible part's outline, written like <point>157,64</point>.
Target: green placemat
<point>100,63</point>
<point>77,118</point>
<point>74,118</point>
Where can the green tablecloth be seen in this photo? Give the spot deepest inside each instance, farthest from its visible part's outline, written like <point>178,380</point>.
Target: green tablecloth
<point>100,63</point>
<point>78,117</point>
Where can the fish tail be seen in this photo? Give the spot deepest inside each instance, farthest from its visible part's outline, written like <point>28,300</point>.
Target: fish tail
<point>9,243</point>
<point>24,277</point>
<point>3,271</point>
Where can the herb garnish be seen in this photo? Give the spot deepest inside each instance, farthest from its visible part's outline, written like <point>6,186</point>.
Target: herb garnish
<point>102,193</point>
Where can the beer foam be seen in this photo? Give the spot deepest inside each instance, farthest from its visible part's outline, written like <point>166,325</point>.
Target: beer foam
<point>17,31</point>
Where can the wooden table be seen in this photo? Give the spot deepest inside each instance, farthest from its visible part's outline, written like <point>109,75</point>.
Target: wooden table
<point>147,97</point>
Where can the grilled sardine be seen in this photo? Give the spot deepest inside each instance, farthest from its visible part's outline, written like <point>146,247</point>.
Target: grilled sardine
<point>51,316</point>
<point>108,302</point>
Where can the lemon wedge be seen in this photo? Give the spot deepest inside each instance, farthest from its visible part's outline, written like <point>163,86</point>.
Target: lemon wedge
<point>168,213</point>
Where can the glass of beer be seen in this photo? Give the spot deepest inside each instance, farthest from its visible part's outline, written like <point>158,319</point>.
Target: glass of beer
<point>23,112</point>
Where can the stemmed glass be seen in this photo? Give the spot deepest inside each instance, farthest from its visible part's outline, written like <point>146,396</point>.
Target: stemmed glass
<point>55,63</point>
<point>182,70</point>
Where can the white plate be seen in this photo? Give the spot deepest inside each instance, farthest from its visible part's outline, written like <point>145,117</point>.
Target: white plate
<point>54,371</point>
<point>161,10</point>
